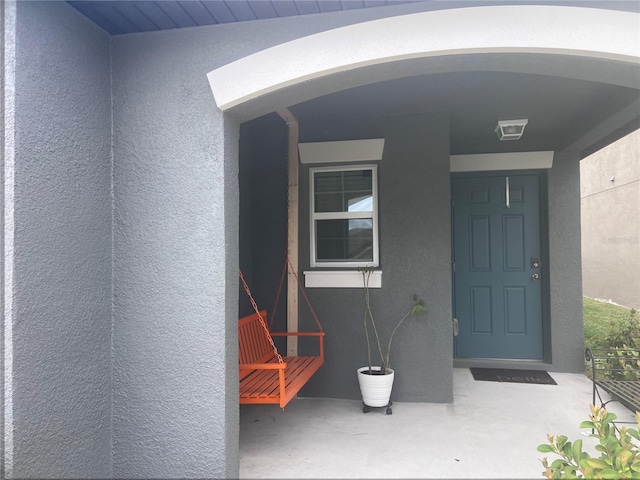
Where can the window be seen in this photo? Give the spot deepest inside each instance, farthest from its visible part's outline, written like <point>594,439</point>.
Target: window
<point>344,219</point>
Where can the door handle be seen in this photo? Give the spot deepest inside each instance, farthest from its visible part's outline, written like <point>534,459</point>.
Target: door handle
<point>506,190</point>
<point>535,276</point>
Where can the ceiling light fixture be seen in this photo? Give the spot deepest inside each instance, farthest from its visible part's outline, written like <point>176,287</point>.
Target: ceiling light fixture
<point>511,129</point>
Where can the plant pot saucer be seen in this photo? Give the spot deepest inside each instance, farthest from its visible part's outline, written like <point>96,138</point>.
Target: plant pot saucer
<point>366,408</point>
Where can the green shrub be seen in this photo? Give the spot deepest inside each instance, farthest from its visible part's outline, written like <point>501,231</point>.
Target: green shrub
<point>601,320</point>
<point>624,333</point>
<point>619,455</point>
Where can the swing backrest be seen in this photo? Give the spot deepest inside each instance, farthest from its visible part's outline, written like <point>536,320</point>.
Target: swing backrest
<point>254,343</point>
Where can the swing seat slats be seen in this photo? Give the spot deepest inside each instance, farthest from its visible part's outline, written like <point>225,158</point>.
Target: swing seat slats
<point>263,379</point>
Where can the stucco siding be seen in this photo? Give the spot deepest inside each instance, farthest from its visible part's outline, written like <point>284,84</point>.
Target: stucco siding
<point>62,266</point>
<point>415,256</point>
<point>175,264</point>
<point>565,268</point>
<point>264,156</point>
<point>610,192</point>
<point>176,247</point>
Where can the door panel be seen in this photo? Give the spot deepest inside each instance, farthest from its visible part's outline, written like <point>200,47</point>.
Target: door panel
<point>498,302</point>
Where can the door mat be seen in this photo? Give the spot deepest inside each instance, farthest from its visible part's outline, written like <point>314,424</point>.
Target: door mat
<point>539,377</point>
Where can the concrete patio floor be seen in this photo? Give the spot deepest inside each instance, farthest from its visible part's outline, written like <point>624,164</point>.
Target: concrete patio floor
<point>491,430</point>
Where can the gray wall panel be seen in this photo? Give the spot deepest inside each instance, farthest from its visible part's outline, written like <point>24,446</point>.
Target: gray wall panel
<point>264,188</point>
<point>565,264</point>
<point>172,262</point>
<point>175,264</point>
<point>414,217</point>
<point>226,354</point>
<point>62,270</point>
<point>175,258</point>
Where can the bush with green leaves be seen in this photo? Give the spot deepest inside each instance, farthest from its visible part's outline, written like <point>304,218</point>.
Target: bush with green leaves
<point>618,448</point>
<point>623,333</point>
<point>623,339</point>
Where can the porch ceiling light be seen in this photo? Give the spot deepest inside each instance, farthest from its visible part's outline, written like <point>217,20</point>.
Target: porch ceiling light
<point>511,129</point>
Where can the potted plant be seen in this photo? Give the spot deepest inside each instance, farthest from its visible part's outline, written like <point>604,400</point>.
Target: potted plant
<point>376,381</point>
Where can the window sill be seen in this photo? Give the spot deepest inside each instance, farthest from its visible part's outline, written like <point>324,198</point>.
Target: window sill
<point>340,279</point>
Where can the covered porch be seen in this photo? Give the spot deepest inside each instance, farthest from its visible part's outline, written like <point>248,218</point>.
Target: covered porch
<point>491,430</point>
<point>126,206</point>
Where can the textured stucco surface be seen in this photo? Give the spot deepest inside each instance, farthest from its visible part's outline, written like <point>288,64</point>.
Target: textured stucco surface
<point>62,271</point>
<point>565,264</point>
<point>7,146</point>
<point>610,191</point>
<point>175,259</point>
<point>175,265</point>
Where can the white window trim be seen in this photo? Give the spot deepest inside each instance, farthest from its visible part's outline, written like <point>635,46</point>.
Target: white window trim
<point>341,151</point>
<point>501,161</point>
<point>340,279</point>
<point>343,215</point>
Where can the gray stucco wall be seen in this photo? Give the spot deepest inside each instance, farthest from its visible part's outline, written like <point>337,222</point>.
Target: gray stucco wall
<point>175,259</point>
<point>152,393</point>
<point>611,222</point>
<point>414,217</point>
<point>565,264</point>
<point>62,264</point>
<point>175,264</point>
<point>264,156</point>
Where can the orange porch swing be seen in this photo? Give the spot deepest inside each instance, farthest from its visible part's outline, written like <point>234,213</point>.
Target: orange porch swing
<point>266,377</point>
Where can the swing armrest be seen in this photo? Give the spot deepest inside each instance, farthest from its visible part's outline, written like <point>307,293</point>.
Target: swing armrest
<point>262,366</point>
<point>297,334</point>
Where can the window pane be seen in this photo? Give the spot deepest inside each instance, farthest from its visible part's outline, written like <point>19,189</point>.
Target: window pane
<point>343,191</point>
<point>344,240</point>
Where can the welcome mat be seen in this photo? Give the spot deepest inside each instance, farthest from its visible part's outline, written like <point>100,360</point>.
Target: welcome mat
<point>539,377</point>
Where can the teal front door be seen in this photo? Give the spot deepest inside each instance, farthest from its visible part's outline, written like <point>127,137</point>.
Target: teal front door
<point>497,267</point>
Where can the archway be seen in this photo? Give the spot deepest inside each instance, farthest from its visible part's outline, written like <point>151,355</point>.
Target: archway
<point>396,47</point>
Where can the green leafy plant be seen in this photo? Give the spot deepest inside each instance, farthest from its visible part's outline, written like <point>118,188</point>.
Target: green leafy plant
<point>600,320</point>
<point>624,332</point>
<point>618,448</point>
<point>609,326</point>
<point>621,363</point>
<point>417,308</point>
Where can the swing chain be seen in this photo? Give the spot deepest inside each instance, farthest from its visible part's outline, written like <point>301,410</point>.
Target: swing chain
<point>288,266</point>
<point>277,301</point>
<point>262,322</point>
<point>304,294</point>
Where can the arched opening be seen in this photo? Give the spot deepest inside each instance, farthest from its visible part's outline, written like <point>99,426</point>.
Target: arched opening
<point>430,94</point>
<point>391,47</point>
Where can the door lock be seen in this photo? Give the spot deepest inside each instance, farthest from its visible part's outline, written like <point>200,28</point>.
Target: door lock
<point>535,276</point>
<point>535,262</point>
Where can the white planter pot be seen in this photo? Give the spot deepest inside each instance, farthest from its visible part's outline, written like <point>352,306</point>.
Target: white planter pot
<point>375,389</point>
